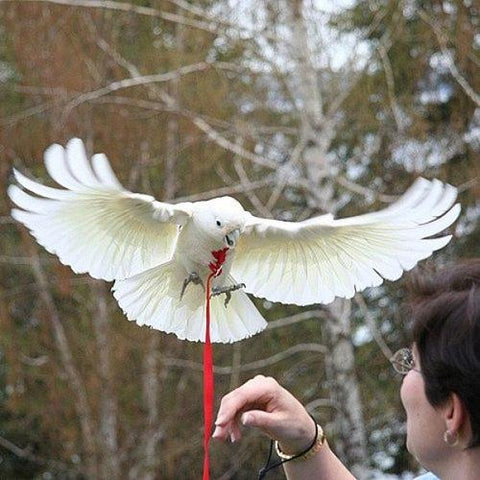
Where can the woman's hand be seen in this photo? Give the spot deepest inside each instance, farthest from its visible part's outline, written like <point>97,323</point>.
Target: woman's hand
<point>264,404</point>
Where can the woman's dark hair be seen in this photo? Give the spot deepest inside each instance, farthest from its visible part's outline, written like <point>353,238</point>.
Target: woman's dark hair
<point>445,308</point>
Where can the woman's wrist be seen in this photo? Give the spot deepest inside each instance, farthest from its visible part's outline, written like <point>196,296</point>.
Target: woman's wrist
<point>304,447</point>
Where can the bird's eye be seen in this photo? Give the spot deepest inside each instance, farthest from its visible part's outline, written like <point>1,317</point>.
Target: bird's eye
<point>219,223</point>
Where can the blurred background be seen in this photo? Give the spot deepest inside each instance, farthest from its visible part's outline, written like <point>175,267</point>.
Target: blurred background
<point>295,108</point>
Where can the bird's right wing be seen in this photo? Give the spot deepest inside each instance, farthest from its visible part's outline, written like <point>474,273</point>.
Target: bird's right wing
<point>95,225</point>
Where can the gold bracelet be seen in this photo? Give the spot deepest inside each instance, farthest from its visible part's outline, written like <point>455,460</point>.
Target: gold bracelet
<point>316,445</point>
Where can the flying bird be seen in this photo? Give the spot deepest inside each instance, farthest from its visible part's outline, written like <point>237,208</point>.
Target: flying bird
<point>160,254</point>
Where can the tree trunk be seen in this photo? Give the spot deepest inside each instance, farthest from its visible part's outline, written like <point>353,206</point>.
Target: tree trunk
<point>153,375</point>
<point>350,434</point>
<point>153,434</point>
<point>108,440</point>
<point>317,130</point>
<point>73,376</point>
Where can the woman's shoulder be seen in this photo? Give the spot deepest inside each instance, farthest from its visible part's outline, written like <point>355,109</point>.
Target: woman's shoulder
<point>427,476</point>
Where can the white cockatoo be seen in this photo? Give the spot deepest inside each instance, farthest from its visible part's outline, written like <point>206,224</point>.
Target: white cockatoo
<point>159,254</point>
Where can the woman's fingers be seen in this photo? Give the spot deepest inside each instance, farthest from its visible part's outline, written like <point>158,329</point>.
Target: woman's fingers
<point>251,394</point>
<point>262,403</point>
<point>256,394</point>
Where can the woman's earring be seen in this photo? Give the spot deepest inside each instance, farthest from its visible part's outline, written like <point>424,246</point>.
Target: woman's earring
<point>450,438</point>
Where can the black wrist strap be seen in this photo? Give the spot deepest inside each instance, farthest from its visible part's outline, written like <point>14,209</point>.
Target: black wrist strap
<point>263,471</point>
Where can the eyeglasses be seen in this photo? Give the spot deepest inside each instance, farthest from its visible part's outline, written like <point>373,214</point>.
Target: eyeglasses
<point>402,361</point>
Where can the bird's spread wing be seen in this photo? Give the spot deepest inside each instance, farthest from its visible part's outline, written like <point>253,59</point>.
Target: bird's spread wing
<point>94,224</point>
<point>316,260</point>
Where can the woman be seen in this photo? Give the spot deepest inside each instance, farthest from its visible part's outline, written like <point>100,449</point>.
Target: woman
<point>440,390</point>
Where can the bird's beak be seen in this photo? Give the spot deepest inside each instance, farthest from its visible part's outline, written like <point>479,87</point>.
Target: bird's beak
<point>232,237</point>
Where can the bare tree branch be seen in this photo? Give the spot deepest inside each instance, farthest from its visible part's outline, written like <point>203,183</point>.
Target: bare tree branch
<point>384,42</point>
<point>297,318</point>
<point>27,113</point>
<point>244,180</point>
<point>129,8</point>
<point>134,82</point>
<point>220,140</point>
<point>364,191</point>
<point>7,259</point>
<point>236,366</point>
<point>257,365</point>
<point>27,454</point>
<point>283,181</point>
<point>387,68</point>
<point>230,190</point>
<point>152,81</point>
<point>472,183</point>
<point>443,42</point>
<point>369,320</point>
<point>76,383</point>
<point>319,403</point>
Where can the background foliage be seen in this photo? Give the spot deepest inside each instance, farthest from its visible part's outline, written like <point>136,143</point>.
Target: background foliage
<point>293,107</point>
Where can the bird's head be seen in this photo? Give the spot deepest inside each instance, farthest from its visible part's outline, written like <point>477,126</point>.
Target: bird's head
<point>222,219</point>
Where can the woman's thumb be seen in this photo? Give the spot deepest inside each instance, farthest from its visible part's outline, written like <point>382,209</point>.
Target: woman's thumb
<point>257,418</point>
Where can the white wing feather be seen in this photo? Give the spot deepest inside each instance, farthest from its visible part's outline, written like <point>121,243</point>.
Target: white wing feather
<point>95,225</point>
<point>319,259</point>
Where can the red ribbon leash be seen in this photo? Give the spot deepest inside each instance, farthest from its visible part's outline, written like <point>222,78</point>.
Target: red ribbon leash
<point>208,392</point>
<point>208,384</point>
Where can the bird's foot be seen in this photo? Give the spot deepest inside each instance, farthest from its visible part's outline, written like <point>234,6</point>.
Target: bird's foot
<point>227,291</point>
<point>192,278</point>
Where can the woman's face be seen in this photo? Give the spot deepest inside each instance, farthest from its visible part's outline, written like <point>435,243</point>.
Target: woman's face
<point>425,424</point>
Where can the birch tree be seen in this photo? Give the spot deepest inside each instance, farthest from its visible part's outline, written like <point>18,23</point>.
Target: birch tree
<point>317,130</point>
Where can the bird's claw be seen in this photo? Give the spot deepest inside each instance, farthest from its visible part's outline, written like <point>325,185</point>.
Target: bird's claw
<point>192,278</point>
<point>227,291</point>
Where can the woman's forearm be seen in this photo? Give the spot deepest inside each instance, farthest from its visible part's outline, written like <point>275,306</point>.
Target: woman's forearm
<point>262,403</point>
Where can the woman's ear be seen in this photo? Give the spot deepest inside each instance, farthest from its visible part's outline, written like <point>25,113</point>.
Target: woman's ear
<point>457,425</point>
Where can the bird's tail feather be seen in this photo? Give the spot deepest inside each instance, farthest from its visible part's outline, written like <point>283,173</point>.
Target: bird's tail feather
<point>153,298</point>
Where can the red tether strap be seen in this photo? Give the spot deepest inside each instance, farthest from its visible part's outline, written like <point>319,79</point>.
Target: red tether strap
<point>208,384</point>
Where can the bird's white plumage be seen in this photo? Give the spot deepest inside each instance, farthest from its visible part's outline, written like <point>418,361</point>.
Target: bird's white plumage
<point>152,298</point>
<point>97,226</point>
<point>323,258</point>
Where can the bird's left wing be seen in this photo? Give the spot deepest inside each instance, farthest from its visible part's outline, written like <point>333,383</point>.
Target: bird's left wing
<point>95,225</point>
<point>319,259</point>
